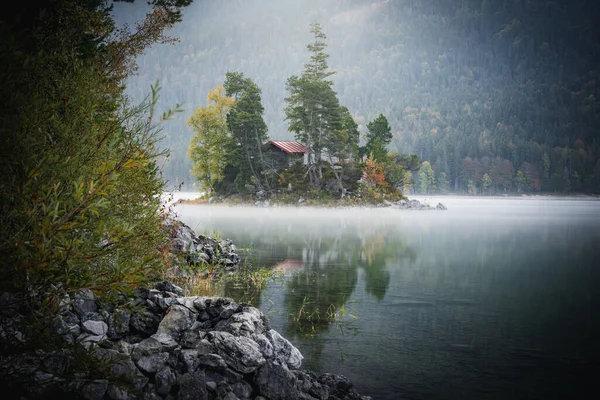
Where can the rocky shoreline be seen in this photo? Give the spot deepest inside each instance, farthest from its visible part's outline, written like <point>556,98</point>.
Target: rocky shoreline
<point>189,348</point>
<point>401,204</point>
<point>160,344</point>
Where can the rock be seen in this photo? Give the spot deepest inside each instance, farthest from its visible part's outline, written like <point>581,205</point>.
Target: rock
<point>88,340</point>
<point>181,237</point>
<point>172,354</point>
<point>242,389</point>
<point>55,364</point>
<point>83,302</point>
<point>165,303</point>
<point>153,363</point>
<point>68,332</point>
<point>275,382</point>
<point>240,353</point>
<point>192,386</point>
<point>166,286</point>
<point>177,319</point>
<point>190,339</point>
<point>339,385</point>
<point>284,351</point>
<point>441,206</point>
<point>98,328</point>
<point>94,390</point>
<point>200,303</point>
<point>150,393</point>
<point>416,204</point>
<point>91,316</point>
<point>212,361</point>
<point>265,346</point>
<point>307,383</point>
<point>190,360</point>
<point>212,386</point>
<point>229,311</point>
<point>167,342</point>
<point>165,379</point>
<point>118,324</point>
<point>229,396</point>
<point>116,393</point>
<point>145,322</point>
<point>245,323</point>
<point>146,347</point>
<point>70,318</point>
<point>226,375</point>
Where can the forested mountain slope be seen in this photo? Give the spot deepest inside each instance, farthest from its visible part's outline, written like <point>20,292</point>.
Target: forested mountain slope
<point>495,94</point>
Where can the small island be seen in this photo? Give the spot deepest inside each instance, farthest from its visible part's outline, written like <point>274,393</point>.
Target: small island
<point>234,158</point>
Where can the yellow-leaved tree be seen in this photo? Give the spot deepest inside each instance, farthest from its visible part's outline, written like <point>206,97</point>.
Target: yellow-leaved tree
<point>211,144</point>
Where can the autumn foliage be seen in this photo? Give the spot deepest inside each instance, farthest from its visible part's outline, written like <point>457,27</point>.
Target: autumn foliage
<point>373,173</point>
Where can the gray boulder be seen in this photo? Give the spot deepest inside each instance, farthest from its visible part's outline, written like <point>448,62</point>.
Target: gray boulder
<point>284,351</point>
<point>166,286</point>
<point>192,386</point>
<point>165,379</point>
<point>94,390</point>
<point>177,319</point>
<point>441,206</point>
<point>146,347</point>
<point>118,324</point>
<point>98,328</point>
<point>212,361</point>
<point>83,302</point>
<point>144,322</point>
<point>152,363</point>
<point>416,204</point>
<point>276,382</point>
<point>240,353</point>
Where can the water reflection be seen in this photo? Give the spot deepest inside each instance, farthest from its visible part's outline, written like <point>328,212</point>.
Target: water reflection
<point>483,301</point>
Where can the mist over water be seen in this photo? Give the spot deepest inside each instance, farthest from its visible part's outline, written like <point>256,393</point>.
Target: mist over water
<point>493,298</point>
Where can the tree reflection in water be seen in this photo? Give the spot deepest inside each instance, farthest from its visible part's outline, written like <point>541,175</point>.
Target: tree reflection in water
<point>319,295</point>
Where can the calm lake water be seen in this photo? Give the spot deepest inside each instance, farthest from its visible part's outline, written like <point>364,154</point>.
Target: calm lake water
<point>491,299</point>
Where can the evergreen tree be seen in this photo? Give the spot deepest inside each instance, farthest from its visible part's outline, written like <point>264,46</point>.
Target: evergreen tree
<point>313,109</point>
<point>379,128</point>
<point>248,130</point>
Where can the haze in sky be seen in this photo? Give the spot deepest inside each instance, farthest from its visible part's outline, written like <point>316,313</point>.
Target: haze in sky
<point>465,85</point>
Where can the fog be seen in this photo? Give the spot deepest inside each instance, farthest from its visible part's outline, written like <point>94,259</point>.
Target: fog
<point>454,79</point>
<point>445,304</point>
<point>464,214</point>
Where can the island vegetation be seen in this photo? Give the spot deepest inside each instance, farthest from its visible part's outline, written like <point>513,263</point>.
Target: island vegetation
<point>230,147</point>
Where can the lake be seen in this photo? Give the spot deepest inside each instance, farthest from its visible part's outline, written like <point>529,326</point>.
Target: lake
<point>494,298</point>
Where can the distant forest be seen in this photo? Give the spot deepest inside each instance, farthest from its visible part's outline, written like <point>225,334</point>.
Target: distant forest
<point>497,95</point>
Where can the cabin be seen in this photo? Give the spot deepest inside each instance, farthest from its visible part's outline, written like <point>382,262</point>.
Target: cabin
<point>281,154</point>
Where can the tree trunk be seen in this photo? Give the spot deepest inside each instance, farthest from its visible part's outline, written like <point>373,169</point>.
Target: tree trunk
<point>262,161</point>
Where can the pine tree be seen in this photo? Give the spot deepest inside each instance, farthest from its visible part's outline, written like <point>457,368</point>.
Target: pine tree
<point>249,132</point>
<point>313,109</point>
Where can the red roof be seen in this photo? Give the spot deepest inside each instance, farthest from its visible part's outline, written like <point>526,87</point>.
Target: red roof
<point>289,146</point>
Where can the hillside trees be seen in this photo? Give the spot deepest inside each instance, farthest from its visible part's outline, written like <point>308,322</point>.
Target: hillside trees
<point>211,144</point>
<point>80,190</point>
<point>458,79</point>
